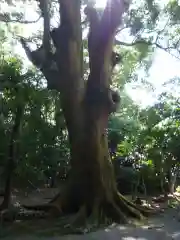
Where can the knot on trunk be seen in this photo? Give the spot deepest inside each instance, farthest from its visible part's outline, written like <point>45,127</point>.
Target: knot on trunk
<point>115,100</point>
<point>102,99</point>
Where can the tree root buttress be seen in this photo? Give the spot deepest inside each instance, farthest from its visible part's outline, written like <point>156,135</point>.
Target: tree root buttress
<point>118,209</point>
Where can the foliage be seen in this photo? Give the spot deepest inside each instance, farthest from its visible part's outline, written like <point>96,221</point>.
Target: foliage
<point>150,135</point>
<point>43,139</point>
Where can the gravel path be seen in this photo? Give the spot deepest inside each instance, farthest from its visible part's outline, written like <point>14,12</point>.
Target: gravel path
<point>164,227</point>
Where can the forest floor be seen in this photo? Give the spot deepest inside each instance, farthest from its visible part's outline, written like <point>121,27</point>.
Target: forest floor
<point>164,225</point>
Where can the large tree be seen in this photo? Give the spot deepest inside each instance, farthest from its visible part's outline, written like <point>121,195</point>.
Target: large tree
<point>90,190</point>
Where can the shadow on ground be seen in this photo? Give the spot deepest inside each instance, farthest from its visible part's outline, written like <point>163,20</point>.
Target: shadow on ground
<point>164,226</point>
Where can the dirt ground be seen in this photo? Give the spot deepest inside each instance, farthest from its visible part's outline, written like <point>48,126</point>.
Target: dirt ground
<point>165,225</point>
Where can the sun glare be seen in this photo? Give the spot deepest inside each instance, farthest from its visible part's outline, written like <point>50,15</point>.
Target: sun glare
<point>100,3</point>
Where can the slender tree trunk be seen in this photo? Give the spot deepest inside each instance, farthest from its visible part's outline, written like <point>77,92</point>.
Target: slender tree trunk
<point>172,182</point>
<point>11,161</point>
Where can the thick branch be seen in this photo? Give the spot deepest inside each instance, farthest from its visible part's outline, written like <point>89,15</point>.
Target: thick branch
<point>67,39</point>
<point>53,78</point>
<point>47,66</point>
<point>101,50</point>
<point>94,22</point>
<point>111,20</point>
<point>45,8</point>
<point>112,17</point>
<point>42,58</point>
<point>70,15</point>
<point>102,59</point>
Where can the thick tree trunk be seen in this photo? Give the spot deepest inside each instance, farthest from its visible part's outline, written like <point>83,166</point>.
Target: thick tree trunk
<point>91,188</point>
<point>91,191</point>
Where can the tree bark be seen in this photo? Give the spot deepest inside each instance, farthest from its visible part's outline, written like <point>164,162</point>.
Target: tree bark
<point>91,190</point>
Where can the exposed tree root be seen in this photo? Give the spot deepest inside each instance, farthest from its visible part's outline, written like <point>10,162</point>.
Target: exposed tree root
<point>39,207</point>
<point>104,211</point>
<point>51,210</point>
<point>146,211</point>
<point>13,213</point>
<point>79,219</point>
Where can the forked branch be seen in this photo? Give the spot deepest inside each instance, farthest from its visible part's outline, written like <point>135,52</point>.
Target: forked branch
<point>94,23</point>
<point>111,20</point>
<point>43,58</point>
<point>40,56</point>
<point>102,59</point>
